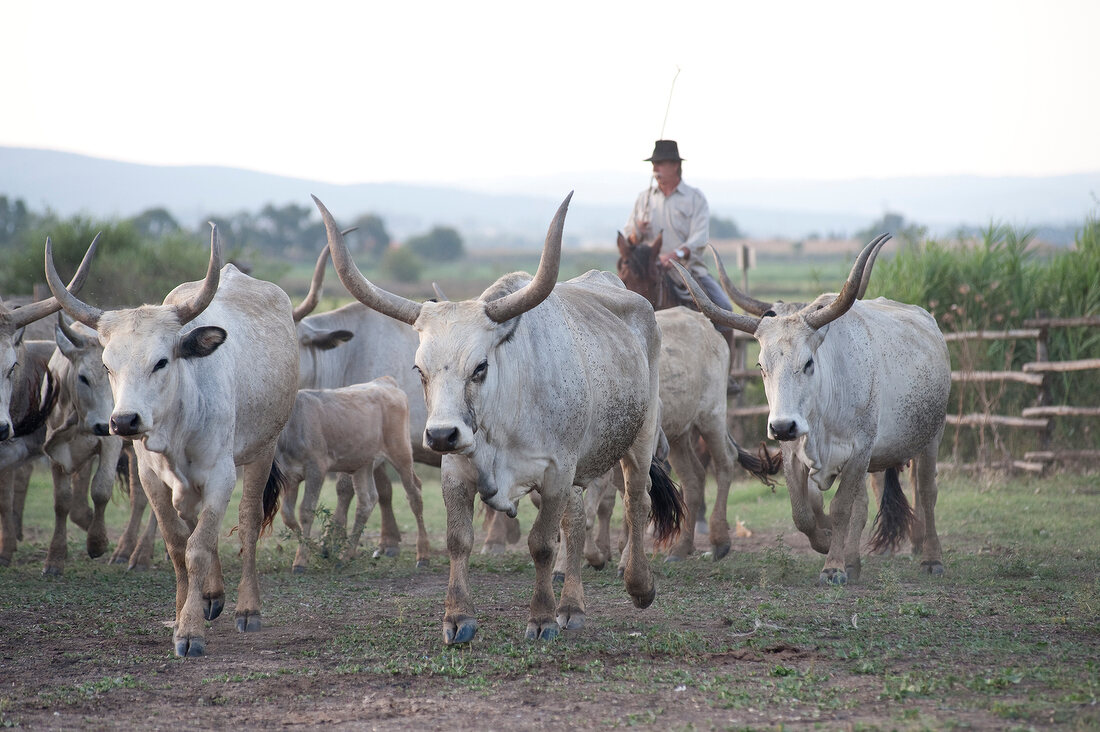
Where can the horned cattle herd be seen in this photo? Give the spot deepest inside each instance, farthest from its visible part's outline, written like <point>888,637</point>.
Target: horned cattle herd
<point>558,390</point>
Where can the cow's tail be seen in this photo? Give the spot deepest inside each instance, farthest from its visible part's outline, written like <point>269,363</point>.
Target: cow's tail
<point>41,405</point>
<point>276,482</point>
<point>666,504</point>
<point>895,515</point>
<point>763,464</point>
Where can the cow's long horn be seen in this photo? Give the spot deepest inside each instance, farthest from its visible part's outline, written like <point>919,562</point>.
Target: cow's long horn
<point>866,279</point>
<point>64,297</point>
<point>743,301</point>
<point>746,323</point>
<point>314,295</point>
<point>843,302</point>
<point>360,287</point>
<point>188,311</point>
<point>546,276</point>
<point>75,338</point>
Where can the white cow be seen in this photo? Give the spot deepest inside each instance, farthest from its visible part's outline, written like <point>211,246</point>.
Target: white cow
<point>78,431</point>
<point>533,386</point>
<point>352,345</point>
<point>203,383</point>
<point>853,387</point>
<point>351,430</point>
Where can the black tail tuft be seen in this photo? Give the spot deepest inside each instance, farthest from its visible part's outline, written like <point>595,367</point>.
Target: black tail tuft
<point>666,504</point>
<point>763,464</point>
<point>276,482</point>
<point>895,515</point>
<point>40,409</point>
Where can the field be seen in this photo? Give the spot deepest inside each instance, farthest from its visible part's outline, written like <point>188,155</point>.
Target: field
<point>1009,638</point>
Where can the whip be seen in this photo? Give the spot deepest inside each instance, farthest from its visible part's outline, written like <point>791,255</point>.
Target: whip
<point>652,180</point>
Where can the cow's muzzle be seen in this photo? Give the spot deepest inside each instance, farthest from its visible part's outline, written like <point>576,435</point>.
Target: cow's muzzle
<point>126,424</point>
<point>101,429</point>
<point>442,439</point>
<point>5,431</point>
<point>783,429</point>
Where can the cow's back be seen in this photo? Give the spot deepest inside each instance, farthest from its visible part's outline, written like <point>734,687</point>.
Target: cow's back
<point>694,364</point>
<point>257,365</point>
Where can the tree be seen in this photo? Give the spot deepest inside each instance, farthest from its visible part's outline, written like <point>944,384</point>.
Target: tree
<point>441,244</point>
<point>14,218</point>
<point>894,223</point>
<point>402,264</point>
<point>721,228</point>
<point>372,232</point>
<point>154,223</point>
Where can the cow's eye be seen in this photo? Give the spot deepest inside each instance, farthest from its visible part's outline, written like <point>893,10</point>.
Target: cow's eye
<point>160,364</point>
<point>809,367</point>
<point>479,372</point>
<point>12,369</point>
<point>107,369</point>
<point>762,371</point>
<point>423,378</point>
<point>83,379</point>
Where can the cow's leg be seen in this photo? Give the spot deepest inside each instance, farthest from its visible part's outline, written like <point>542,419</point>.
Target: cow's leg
<point>345,491</point>
<point>315,479</point>
<point>927,493</point>
<point>850,482</point>
<point>599,504</point>
<point>916,530</point>
<point>20,484</point>
<point>142,556</point>
<point>854,543</point>
<point>7,516</point>
<point>571,604</point>
<point>692,478</point>
<point>58,551</point>
<point>79,510</point>
<point>541,540</point>
<point>459,479</point>
<point>213,587</point>
<point>804,509</point>
<point>250,517</point>
<point>176,534</point>
<point>500,531</point>
<point>103,483</point>
<point>411,483</point>
<point>389,544</point>
<point>288,501</point>
<point>723,456</point>
<point>366,497</point>
<point>129,539</point>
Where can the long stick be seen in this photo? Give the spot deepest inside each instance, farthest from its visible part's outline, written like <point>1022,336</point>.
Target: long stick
<point>652,179</point>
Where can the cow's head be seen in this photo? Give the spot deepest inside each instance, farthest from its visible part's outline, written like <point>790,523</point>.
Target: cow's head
<point>146,349</point>
<point>83,377</point>
<point>12,352</point>
<point>639,268</point>
<point>789,335</point>
<point>458,354</point>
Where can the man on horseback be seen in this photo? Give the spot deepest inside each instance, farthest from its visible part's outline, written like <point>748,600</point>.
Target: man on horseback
<point>679,215</point>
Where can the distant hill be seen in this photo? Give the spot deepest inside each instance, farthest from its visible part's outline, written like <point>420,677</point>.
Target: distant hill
<point>515,212</point>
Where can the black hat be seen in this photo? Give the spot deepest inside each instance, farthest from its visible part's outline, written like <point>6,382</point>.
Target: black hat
<point>664,150</point>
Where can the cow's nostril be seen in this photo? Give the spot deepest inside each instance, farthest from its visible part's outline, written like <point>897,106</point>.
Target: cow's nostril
<point>101,429</point>
<point>442,439</point>
<point>5,431</point>
<point>127,423</point>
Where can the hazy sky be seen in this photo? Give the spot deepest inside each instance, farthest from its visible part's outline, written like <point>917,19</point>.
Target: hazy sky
<point>453,91</point>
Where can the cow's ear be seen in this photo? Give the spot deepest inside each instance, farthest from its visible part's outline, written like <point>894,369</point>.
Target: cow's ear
<point>201,342</point>
<point>69,348</point>
<point>327,339</point>
<point>18,337</point>
<point>507,329</point>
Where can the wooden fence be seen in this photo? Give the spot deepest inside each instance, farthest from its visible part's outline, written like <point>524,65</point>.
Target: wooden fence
<point>1037,374</point>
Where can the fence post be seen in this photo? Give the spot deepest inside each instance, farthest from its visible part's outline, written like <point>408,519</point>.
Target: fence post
<point>1045,398</point>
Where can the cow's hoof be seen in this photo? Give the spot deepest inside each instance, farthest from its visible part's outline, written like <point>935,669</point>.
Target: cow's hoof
<point>853,571</point>
<point>832,577</point>
<point>545,631</point>
<point>621,572</point>
<point>298,569</point>
<point>386,551</point>
<point>570,618</point>
<point>423,563</point>
<point>459,631</point>
<point>120,558</point>
<point>138,567</point>
<point>50,570</point>
<point>702,528</point>
<point>97,546</point>
<point>674,558</point>
<point>249,623</point>
<point>5,561</point>
<point>190,647</point>
<point>598,566</point>
<point>719,551</point>
<point>645,599</point>
<point>932,567</point>
<point>558,577</point>
<point>494,549</point>
<point>212,606</point>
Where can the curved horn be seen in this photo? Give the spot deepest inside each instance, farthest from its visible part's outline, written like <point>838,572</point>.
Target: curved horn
<point>866,279</point>
<point>314,294</point>
<point>546,276</point>
<point>847,296</point>
<point>360,287</point>
<point>743,301</point>
<point>439,293</point>
<point>63,297</point>
<point>745,323</point>
<point>190,310</point>
<point>75,338</point>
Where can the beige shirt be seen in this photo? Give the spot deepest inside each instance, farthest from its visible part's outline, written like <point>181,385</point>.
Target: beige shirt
<point>683,217</point>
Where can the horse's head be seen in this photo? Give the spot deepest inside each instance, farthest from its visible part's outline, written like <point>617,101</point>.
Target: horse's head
<point>640,270</point>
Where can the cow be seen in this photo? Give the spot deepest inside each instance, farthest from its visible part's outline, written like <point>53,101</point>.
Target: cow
<point>78,431</point>
<point>853,386</point>
<point>536,386</point>
<point>351,345</point>
<point>203,384</point>
<point>350,430</point>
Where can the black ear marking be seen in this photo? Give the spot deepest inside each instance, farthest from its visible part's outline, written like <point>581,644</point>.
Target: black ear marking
<point>201,342</point>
